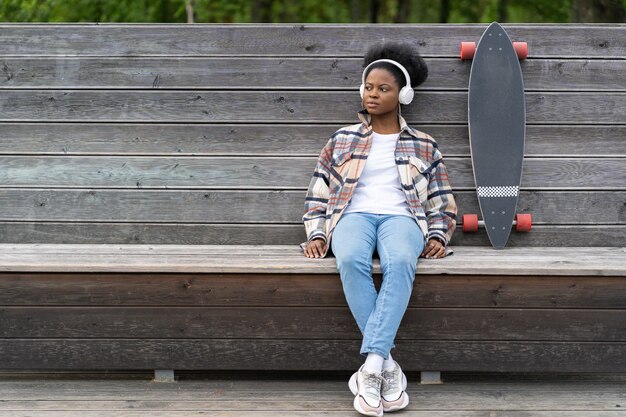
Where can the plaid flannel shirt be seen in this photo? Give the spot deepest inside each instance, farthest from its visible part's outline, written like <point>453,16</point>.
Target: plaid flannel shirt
<point>423,177</point>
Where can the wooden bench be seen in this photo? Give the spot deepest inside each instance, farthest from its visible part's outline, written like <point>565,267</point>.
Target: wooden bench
<point>144,224</point>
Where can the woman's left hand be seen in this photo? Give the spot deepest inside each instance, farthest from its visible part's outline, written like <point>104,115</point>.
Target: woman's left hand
<point>434,249</point>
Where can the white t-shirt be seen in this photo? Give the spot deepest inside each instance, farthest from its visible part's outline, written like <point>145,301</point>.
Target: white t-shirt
<point>378,190</point>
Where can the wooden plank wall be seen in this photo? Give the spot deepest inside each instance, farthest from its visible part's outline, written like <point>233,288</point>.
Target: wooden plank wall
<point>301,322</point>
<point>208,134</point>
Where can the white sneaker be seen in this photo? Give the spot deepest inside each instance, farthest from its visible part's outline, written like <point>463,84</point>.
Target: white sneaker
<point>366,387</point>
<point>393,391</point>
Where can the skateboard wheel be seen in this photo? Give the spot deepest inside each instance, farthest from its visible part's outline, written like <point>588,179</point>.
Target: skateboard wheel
<point>521,49</point>
<point>523,222</point>
<point>468,49</point>
<point>470,222</point>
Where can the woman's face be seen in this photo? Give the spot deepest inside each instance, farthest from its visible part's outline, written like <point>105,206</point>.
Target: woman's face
<point>381,92</point>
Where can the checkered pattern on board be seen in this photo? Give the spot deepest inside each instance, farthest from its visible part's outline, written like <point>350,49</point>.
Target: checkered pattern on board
<point>504,191</point>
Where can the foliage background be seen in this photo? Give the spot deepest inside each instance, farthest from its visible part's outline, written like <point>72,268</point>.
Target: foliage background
<point>313,11</point>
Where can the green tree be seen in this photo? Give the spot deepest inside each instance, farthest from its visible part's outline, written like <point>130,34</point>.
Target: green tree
<point>313,11</point>
<point>598,11</point>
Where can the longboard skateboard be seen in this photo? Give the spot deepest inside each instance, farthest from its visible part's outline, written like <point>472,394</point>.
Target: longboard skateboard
<point>497,129</point>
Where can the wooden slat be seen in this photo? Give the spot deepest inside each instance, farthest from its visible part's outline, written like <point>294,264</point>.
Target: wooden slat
<point>284,73</point>
<point>296,40</point>
<point>317,405</point>
<point>289,139</point>
<point>272,413</point>
<point>270,172</point>
<point>264,404</point>
<point>284,106</point>
<point>578,325</point>
<point>330,395</point>
<point>303,290</point>
<point>328,408</point>
<point>263,234</point>
<point>234,394</point>
<point>280,354</point>
<point>124,385</point>
<point>541,236</point>
<point>224,206</point>
<point>255,413</point>
<point>289,259</point>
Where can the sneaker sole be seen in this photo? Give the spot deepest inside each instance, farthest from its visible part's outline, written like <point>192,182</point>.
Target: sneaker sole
<point>396,407</point>
<point>352,384</point>
<point>404,396</point>
<point>357,407</point>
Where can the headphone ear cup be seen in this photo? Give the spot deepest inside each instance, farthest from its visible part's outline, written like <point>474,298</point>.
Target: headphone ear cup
<point>362,90</point>
<point>406,95</point>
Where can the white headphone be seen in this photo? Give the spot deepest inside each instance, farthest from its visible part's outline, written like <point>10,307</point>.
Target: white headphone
<point>406,92</point>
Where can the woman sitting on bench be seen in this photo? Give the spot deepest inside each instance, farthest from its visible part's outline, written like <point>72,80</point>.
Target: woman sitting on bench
<point>399,203</point>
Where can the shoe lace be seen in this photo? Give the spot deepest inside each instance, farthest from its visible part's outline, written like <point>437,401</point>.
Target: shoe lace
<point>390,382</point>
<point>372,385</point>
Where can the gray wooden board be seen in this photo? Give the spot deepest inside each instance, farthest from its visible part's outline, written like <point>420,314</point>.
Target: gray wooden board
<point>249,206</point>
<point>330,402</point>
<point>593,40</point>
<point>285,106</point>
<point>286,354</point>
<point>289,259</point>
<point>295,413</point>
<point>567,396</point>
<point>219,73</point>
<point>430,291</point>
<point>337,401</point>
<point>288,139</point>
<point>263,234</point>
<point>27,385</point>
<point>332,396</point>
<point>250,172</point>
<point>306,322</point>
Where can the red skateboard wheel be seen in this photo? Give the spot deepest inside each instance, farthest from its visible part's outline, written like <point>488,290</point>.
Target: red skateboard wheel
<point>468,49</point>
<point>521,49</point>
<point>470,222</point>
<point>524,222</point>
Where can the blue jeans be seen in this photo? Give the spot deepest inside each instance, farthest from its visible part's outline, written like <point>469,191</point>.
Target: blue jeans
<point>399,243</point>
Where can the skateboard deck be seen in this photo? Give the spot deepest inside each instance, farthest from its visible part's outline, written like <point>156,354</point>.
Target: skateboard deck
<point>497,129</point>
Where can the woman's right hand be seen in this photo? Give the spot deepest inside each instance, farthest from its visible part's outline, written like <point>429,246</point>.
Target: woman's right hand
<point>315,248</point>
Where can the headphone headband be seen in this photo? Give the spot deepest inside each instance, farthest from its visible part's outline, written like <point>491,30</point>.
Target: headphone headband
<point>406,92</point>
<point>396,63</point>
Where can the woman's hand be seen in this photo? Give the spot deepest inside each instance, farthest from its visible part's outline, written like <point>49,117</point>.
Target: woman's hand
<point>315,248</point>
<point>434,249</point>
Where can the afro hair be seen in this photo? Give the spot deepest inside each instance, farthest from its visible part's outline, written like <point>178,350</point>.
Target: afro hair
<point>405,54</point>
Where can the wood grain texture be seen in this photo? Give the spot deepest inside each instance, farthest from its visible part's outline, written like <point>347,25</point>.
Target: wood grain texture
<point>235,394</point>
<point>303,290</point>
<point>286,106</point>
<point>220,73</point>
<point>318,323</point>
<point>289,259</point>
<point>250,206</point>
<point>249,172</point>
<point>268,140</point>
<point>300,406</point>
<point>298,413</point>
<point>273,234</point>
<point>296,40</point>
<point>281,354</point>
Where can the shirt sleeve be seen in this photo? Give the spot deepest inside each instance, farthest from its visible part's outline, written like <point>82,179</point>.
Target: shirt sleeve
<point>317,195</point>
<point>440,207</point>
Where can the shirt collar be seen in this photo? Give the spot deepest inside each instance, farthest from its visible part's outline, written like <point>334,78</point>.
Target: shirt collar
<point>366,118</point>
